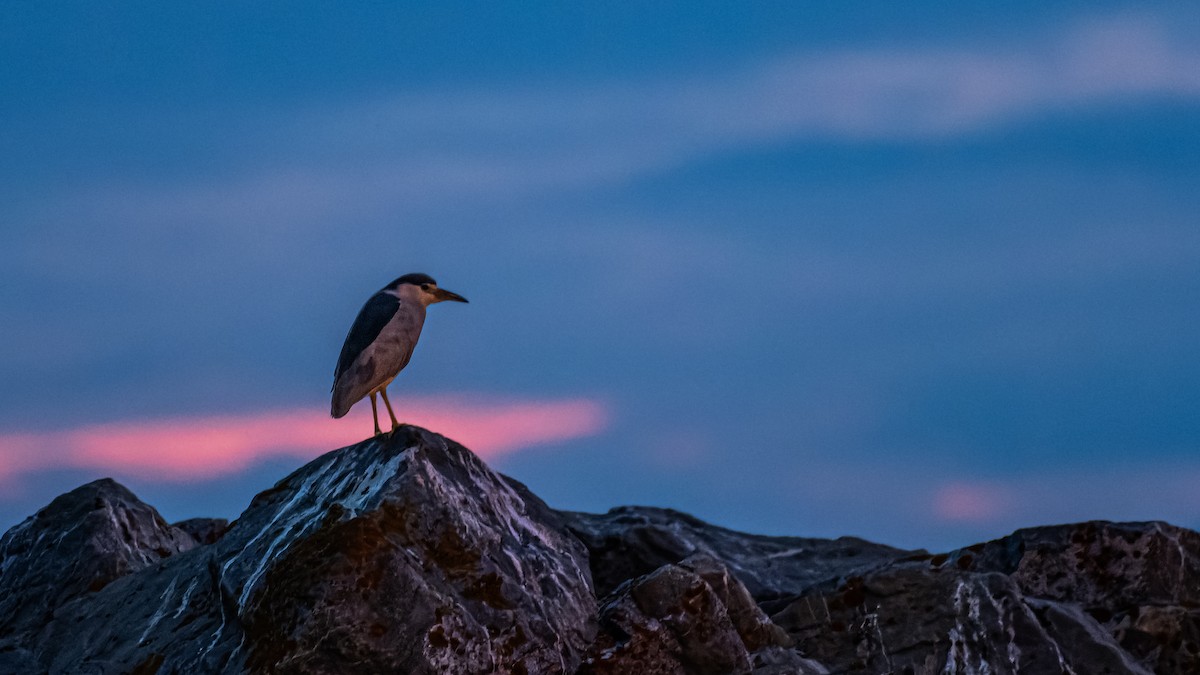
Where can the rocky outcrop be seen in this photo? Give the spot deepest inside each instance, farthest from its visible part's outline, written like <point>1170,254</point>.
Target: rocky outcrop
<point>408,554</point>
<point>630,541</point>
<point>690,617</point>
<point>1087,598</point>
<point>1135,582</point>
<point>74,548</point>
<point>204,530</point>
<point>405,554</point>
<point>416,558</point>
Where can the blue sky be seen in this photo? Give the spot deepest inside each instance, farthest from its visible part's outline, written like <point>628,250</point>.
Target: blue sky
<point>923,274</point>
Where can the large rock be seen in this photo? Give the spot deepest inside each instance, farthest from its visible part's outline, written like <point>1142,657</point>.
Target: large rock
<point>692,617</point>
<point>74,547</point>
<point>405,554</point>
<point>412,556</point>
<point>408,554</point>
<point>1097,563</point>
<point>1089,598</point>
<point>630,541</point>
<point>204,530</point>
<point>1139,582</point>
<point>923,620</point>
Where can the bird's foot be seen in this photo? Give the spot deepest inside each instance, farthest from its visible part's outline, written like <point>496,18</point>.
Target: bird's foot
<point>395,426</point>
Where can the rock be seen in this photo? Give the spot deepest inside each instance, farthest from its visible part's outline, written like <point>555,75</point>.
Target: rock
<point>631,541</point>
<point>921,620</point>
<point>1081,639</point>
<point>405,554</point>
<point>1092,598</point>
<point>76,546</point>
<point>204,530</point>
<point>425,562</point>
<point>1166,638</point>
<point>408,554</point>
<point>692,617</point>
<point>1135,580</point>
<point>1098,564</point>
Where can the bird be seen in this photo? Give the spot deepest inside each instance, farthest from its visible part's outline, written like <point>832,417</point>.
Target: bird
<point>381,342</point>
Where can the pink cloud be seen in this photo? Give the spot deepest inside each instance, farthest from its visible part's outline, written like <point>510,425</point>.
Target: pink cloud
<point>197,448</point>
<point>961,501</point>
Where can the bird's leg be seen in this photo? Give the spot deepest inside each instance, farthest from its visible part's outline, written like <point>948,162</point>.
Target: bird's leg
<point>375,413</point>
<point>395,424</point>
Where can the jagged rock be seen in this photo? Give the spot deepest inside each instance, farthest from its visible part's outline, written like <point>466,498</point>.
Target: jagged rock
<point>1166,638</point>
<point>1092,598</point>
<point>1082,640</point>
<point>1097,564</point>
<point>77,545</point>
<point>408,554</point>
<point>1138,581</point>
<point>405,554</point>
<point>921,620</point>
<point>630,541</point>
<point>204,530</point>
<point>693,617</point>
<point>431,563</point>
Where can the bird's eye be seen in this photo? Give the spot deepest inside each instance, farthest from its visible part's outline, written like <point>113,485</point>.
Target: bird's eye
<point>424,287</point>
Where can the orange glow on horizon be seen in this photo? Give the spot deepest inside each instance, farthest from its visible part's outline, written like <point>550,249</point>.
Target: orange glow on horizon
<point>199,448</point>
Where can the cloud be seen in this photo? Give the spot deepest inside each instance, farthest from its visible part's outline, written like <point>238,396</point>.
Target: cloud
<point>971,502</point>
<point>1147,490</point>
<point>198,448</point>
<point>912,94</point>
<point>399,152</point>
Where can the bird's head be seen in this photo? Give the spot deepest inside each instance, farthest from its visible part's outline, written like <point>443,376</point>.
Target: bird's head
<point>421,288</point>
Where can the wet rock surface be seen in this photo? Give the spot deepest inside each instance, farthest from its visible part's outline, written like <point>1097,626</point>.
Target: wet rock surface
<point>408,554</point>
<point>427,561</point>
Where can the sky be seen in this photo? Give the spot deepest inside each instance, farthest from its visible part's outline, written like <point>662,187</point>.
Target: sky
<point>923,273</point>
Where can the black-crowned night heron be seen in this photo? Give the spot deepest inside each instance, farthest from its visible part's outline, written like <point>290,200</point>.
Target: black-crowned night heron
<point>381,342</point>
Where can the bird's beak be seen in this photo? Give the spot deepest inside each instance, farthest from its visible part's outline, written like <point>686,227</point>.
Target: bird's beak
<point>442,295</point>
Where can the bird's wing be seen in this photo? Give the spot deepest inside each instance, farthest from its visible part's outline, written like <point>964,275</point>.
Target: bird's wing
<point>370,322</point>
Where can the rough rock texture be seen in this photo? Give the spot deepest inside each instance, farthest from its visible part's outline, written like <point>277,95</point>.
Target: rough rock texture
<point>1087,598</point>
<point>403,555</point>
<point>1139,582</point>
<point>408,554</point>
<point>77,545</point>
<point>907,619</point>
<point>630,541</point>
<point>204,530</point>
<point>693,617</point>
<point>418,560</point>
